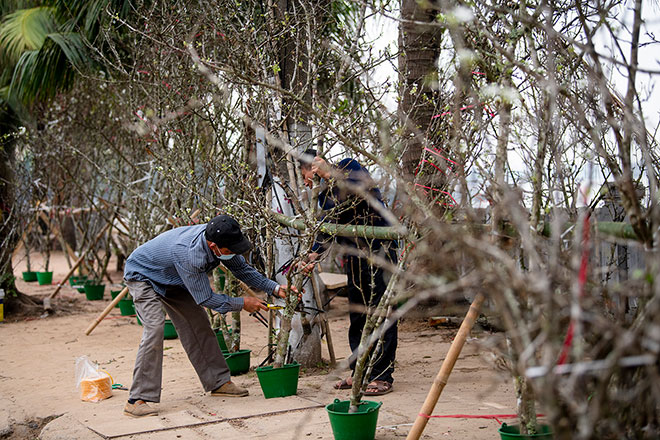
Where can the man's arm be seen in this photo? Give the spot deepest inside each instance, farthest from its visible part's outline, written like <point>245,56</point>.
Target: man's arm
<point>251,276</point>
<point>199,287</point>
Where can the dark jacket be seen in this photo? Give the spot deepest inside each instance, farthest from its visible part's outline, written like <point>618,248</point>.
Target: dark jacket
<point>343,204</point>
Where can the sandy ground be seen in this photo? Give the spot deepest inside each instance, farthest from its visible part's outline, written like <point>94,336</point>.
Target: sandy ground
<point>37,383</point>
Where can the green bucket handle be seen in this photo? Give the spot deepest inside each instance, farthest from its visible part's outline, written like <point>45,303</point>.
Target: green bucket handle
<point>369,410</point>
<point>375,408</point>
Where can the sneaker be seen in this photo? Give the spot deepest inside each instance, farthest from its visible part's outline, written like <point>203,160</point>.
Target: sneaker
<point>230,389</point>
<point>139,409</point>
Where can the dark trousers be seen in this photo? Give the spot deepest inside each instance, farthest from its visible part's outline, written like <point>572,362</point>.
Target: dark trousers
<point>194,330</point>
<point>366,285</point>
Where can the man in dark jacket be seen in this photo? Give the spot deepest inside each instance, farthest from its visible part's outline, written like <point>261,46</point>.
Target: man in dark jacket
<point>170,272</point>
<point>348,195</point>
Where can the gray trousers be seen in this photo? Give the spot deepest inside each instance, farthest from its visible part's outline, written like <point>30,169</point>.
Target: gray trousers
<point>194,330</point>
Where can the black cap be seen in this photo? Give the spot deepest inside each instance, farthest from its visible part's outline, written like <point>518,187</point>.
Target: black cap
<point>224,231</point>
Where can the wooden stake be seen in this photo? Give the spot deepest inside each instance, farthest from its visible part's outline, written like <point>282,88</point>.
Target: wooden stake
<point>107,310</point>
<point>446,368</point>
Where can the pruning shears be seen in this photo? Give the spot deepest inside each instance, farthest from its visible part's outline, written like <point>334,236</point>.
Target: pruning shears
<point>299,308</point>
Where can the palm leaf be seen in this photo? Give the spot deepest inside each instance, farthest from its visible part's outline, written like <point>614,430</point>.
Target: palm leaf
<point>8,6</point>
<point>86,15</point>
<point>25,30</point>
<point>40,74</point>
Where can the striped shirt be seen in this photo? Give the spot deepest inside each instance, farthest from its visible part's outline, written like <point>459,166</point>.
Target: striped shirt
<point>181,257</point>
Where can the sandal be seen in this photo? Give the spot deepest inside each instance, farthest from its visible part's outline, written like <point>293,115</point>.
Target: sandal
<point>378,388</point>
<point>344,384</point>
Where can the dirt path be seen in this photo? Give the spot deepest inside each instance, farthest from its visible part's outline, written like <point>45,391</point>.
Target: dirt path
<point>37,382</point>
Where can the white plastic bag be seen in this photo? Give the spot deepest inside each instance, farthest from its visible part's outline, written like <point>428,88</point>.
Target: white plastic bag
<point>95,385</point>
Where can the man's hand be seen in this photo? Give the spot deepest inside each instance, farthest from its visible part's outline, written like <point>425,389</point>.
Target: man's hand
<point>321,168</point>
<point>252,305</point>
<point>309,265</point>
<point>282,292</point>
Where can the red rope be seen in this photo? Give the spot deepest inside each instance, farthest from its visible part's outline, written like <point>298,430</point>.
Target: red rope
<point>495,417</point>
<point>582,280</point>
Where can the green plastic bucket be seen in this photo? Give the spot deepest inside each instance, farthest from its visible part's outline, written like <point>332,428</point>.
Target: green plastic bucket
<point>360,425</point>
<point>113,294</point>
<point>126,307</point>
<point>170,331</point>
<point>513,433</point>
<point>221,339</point>
<point>29,276</point>
<point>94,292</point>
<point>44,278</point>
<point>238,362</point>
<point>279,382</point>
<point>77,281</point>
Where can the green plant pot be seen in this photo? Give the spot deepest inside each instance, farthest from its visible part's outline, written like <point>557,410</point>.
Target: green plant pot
<point>238,362</point>
<point>221,339</point>
<point>44,278</point>
<point>170,331</point>
<point>360,425</point>
<point>76,282</point>
<point>94,292</point>
<point>279,382</point>
<point>29,276</point>
<point>113,294</point>
<point>513,433</point>
<point>126,307</point>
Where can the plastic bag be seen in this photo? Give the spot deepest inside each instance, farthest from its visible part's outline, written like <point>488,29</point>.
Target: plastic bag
<point>95,385</point>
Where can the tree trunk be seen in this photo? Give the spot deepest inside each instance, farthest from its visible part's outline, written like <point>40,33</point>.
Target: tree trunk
<point>419,51</point>
<point>15,301</point>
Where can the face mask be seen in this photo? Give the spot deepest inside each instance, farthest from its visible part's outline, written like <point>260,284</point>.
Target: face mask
<point>227,257</point>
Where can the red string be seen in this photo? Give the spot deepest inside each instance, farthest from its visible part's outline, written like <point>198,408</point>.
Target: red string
<point>423,161</point>
<point>582,280</point>
<point>438,190</point>
<point>449,112</point>
<point>495,417</point>
<point>437,153</point>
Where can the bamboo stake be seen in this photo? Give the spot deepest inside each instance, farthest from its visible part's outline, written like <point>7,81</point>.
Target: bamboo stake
<point>610,230</point>
<point>77,263</point>
<point>107,310</point>
<point>446,368</point>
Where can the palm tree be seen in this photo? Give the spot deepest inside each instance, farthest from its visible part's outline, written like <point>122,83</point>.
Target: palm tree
<point>42,46</point>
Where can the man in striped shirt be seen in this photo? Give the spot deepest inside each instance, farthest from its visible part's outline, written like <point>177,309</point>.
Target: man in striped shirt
<point>170,272</point>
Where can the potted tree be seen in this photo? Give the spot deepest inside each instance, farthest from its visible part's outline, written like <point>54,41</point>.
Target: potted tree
<point>281,378</point>
<point>29,275</point>
<point>94,286</point>
<point>46,277</point>
<point>356,419</point>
